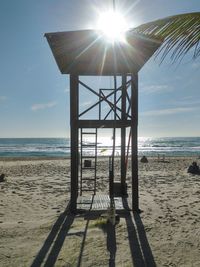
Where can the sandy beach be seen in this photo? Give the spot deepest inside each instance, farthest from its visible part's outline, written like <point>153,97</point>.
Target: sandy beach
<point>36,229</point>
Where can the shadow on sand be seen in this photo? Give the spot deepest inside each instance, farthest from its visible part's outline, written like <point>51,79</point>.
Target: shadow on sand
<point>140,249</point>
<point>56,238</point>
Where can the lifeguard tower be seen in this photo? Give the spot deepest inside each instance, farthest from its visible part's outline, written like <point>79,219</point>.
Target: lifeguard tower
<point>85,53</point>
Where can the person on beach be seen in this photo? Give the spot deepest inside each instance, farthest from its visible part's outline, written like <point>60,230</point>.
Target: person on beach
<point>2,178</point>
<point>144,159</point>
<point>194,168</point>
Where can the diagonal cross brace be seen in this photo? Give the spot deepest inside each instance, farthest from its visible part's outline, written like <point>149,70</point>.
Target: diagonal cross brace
<point>102,98</point>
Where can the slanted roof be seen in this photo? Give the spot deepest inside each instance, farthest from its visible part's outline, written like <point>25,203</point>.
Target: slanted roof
<point>86,52</point>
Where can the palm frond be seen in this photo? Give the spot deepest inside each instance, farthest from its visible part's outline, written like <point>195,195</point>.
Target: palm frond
<point>180,34</point>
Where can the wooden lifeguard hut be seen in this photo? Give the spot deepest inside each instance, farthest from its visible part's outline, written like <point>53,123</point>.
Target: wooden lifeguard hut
<point>85,53</point>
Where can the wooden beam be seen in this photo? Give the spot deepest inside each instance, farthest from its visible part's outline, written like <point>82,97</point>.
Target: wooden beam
<point>74,92</point>
<point>134,146</point>
<point>123,137</point>
<point>102,98</point>
<point>104,123</point>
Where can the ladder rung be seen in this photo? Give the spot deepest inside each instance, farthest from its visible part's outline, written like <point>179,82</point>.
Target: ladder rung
<point>88,133</point>
<point>88,190</point>
<point>85,203</point>
<point>88,168</point>
<point>92,146</point>
<point>88,157</point>
<point>87,179</point>
<point>89,145</point>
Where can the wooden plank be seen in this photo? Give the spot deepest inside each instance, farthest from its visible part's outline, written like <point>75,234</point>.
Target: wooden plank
<point>99,202</point>
<point>74,140</point>
<point>134,147</point>
<point>83,52</point>
<point>103,123</point>
<point>123,137</point>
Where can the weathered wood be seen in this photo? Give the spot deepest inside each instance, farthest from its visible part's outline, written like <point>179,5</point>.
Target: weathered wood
<point>102,98</point>
<point>134,146</point>
<point>111,178</point>
<point>83,52</point>
<point>74,93</point>
<point>123,137</point>
<point>103,123</point>
<point>100,202</point>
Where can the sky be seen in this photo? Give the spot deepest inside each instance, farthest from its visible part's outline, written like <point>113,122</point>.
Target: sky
<point>34,95</point>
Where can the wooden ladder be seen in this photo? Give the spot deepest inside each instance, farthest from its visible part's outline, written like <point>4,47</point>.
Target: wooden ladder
<point>88,162</point>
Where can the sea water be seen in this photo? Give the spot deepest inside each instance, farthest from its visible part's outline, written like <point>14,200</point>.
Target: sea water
<point>60,147</point>
<point>38,147</point>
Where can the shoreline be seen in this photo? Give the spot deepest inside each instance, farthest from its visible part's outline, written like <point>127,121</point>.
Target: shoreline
<point>36,158</point>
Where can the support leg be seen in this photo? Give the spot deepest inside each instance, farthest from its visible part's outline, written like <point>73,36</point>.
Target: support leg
<point>74,141</point>
<point>123,139</point>
<point>134,146</point>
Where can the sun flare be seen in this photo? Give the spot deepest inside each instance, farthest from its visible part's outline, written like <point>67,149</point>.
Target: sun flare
<point>113,26</point>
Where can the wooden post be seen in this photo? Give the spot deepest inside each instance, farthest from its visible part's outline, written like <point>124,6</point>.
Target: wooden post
<point>123,137</point>
<point>74,93</point>
<point>134,147</point>
<point>111,178</point>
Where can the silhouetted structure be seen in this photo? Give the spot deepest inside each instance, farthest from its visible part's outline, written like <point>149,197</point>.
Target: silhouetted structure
<point>85,52</point>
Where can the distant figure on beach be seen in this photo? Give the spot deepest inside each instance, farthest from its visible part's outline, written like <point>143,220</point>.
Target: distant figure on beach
<point>2,178</point>
<point>194,168</point>
<point>144,159</point>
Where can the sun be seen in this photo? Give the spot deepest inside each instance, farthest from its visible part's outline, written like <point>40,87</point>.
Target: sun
<point>113,26</point>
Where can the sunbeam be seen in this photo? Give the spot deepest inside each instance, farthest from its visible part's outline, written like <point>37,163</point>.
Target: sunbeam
<point>113,26</point>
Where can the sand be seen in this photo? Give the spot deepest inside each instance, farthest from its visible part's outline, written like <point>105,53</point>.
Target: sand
<point>36,229</point>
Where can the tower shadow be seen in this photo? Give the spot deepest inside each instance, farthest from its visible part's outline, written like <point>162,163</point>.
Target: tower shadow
<point>83,243</point>
<point>145,246</point>
<point>111,243</point>
<point>56,238</point>
<point>139,246</point>
<point>140,249</point>
<point>48,254</point>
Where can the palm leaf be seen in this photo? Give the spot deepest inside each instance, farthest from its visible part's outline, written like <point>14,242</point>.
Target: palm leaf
<point>180,34</point>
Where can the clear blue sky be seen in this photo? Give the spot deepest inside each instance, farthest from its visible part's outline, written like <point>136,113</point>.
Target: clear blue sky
<point>34,96</point>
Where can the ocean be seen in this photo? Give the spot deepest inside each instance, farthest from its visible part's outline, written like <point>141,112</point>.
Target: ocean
<point>60,147</point>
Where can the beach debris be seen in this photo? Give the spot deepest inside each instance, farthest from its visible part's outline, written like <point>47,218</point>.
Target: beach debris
<point>103,150</point>
<point>161,157</point>
<point>87,163</point>
<point>101,223</point>
<point>194,168</point>
<point>2,178</point>
<point>144,159</point>
<point>112,217</point>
